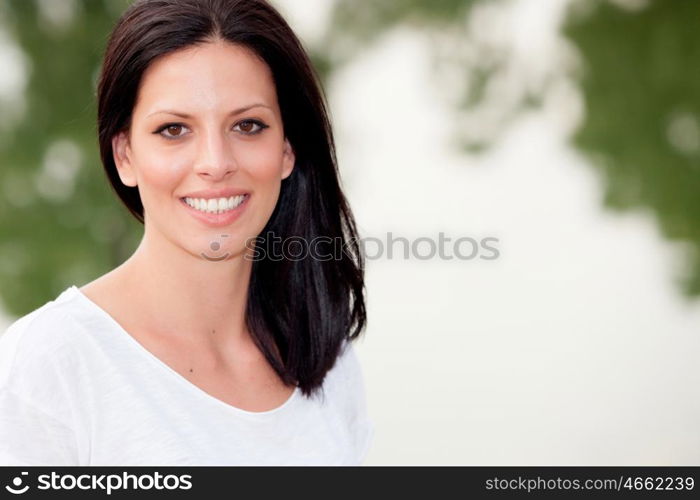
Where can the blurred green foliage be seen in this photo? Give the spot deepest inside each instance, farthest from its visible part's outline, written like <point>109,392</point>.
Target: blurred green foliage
<point>641,85</point>
<point>59,222</point>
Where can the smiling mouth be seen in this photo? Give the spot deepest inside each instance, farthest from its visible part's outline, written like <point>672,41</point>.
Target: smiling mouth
<point>214,259</point>
<point>215,205</point>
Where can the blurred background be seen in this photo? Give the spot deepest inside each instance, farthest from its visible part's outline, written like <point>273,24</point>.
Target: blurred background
<point>567,129</point>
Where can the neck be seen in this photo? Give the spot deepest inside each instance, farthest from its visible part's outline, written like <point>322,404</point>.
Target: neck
<point>189,297</point>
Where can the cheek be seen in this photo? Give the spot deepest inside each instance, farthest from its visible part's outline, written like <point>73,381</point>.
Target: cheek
<point>263,165</point>
<point>160,173</point>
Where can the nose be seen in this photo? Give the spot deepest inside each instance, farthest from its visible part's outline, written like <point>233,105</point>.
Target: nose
<point>215,157</point>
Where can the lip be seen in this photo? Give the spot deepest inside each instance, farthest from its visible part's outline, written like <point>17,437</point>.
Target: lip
<point>217,220</point>
<point>216,193</point>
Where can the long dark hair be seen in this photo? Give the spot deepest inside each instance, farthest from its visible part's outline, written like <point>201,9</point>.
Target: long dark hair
<point>299,312</point>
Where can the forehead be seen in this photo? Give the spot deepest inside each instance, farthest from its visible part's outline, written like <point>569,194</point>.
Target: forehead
<point>211,75</point>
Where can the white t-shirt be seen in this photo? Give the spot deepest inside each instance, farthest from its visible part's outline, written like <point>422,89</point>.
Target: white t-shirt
<point>77,389</point>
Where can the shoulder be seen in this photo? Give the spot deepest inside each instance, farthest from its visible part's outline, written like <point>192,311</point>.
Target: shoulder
<point>346,373</point>
<point>346,381</point>
<point>44,328</point>
<point>35,349</point>
<point>349,365</point>
<point>39,387</point>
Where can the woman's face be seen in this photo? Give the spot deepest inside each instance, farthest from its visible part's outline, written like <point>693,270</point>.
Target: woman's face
<point>206,148</point>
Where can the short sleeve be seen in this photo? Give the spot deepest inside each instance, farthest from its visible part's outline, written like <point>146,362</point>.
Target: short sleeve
<point>35,399</point>
<point>29,436</point>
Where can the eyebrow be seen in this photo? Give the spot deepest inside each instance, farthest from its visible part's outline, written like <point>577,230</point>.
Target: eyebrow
<point>234,112</point>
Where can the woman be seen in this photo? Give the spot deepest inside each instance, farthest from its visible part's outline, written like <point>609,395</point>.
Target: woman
<point>217,342</point>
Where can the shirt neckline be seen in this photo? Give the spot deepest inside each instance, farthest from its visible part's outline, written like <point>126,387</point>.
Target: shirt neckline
<point>172,373</point>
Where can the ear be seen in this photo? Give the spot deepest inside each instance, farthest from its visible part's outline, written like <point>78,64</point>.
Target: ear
<point>288,159</point>
<point>121,150</point>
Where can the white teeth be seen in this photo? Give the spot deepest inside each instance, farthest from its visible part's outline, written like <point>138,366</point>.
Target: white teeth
<point>215,205</point>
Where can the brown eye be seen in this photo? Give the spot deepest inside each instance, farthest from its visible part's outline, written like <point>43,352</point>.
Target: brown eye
<point>247,127</point>
<point>250,127</point>
<point>174,129</point>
